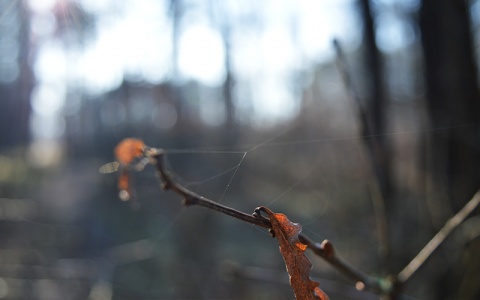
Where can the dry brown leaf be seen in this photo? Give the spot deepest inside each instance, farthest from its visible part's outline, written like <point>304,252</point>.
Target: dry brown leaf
<point>292,250</point>
<point>126,152</point>
<point>129,149</point>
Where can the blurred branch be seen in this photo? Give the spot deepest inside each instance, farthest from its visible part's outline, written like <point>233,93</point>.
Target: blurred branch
<point>375,154</point>
<point>230,269</point>
<point>438,239</point>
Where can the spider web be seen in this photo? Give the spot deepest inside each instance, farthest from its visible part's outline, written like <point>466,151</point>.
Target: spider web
<point>305,174</point>
<point>309,171</point>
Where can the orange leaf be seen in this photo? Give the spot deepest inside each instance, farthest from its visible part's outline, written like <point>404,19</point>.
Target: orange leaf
<point>292,250</point>
<point>126,152</point>
<point>129,149</point>
<point>123,181</point>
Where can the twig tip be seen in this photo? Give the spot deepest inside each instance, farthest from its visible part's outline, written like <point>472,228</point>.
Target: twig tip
<point>328,249</point>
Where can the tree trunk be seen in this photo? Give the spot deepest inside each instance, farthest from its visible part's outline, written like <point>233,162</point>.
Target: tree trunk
<point>453,98</point>
<point>375,108</point>
<point>453,103</point>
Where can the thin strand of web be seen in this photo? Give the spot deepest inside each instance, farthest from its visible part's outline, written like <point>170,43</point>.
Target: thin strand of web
<point>250,147</point>
<point>353,137</point>
<point>169,227</point>
<point>245,154</point>
<point>291,187</point>
<point>315,233</point>
<point>212,177</point>
<point>269,141</point>
<point>201,151</point>
<point>231,178</point>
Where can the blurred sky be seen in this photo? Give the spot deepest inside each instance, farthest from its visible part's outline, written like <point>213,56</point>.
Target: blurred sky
<point>133,39</point>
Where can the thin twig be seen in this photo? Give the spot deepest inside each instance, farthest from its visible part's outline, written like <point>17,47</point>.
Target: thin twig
<point>375,155</point>
<point>438,239</point>
<point>192,198</point>
<point>324,250</point>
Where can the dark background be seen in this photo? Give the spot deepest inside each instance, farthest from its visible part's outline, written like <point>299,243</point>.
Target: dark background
<point>64,233</point>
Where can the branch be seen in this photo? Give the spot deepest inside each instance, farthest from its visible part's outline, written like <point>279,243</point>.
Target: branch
<point>157,157</point>
<point>376,156</point>
<point>131,149</point>
<point>230,269</point>
<point>324,250</point>
<point>438,239</point>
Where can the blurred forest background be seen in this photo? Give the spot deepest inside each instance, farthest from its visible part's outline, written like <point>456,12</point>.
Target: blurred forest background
<point>247,97</point>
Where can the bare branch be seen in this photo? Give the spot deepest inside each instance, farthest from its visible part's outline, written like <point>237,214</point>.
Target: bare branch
<point>375,153</point>
<point>438,239</point>
<point>386,285</point>
<point>324,250</point>
<point>191,198</point>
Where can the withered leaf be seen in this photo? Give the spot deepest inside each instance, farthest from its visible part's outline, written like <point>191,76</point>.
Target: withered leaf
<point>292,250</point>
<point>126,152</point>
<point>129,149</point>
